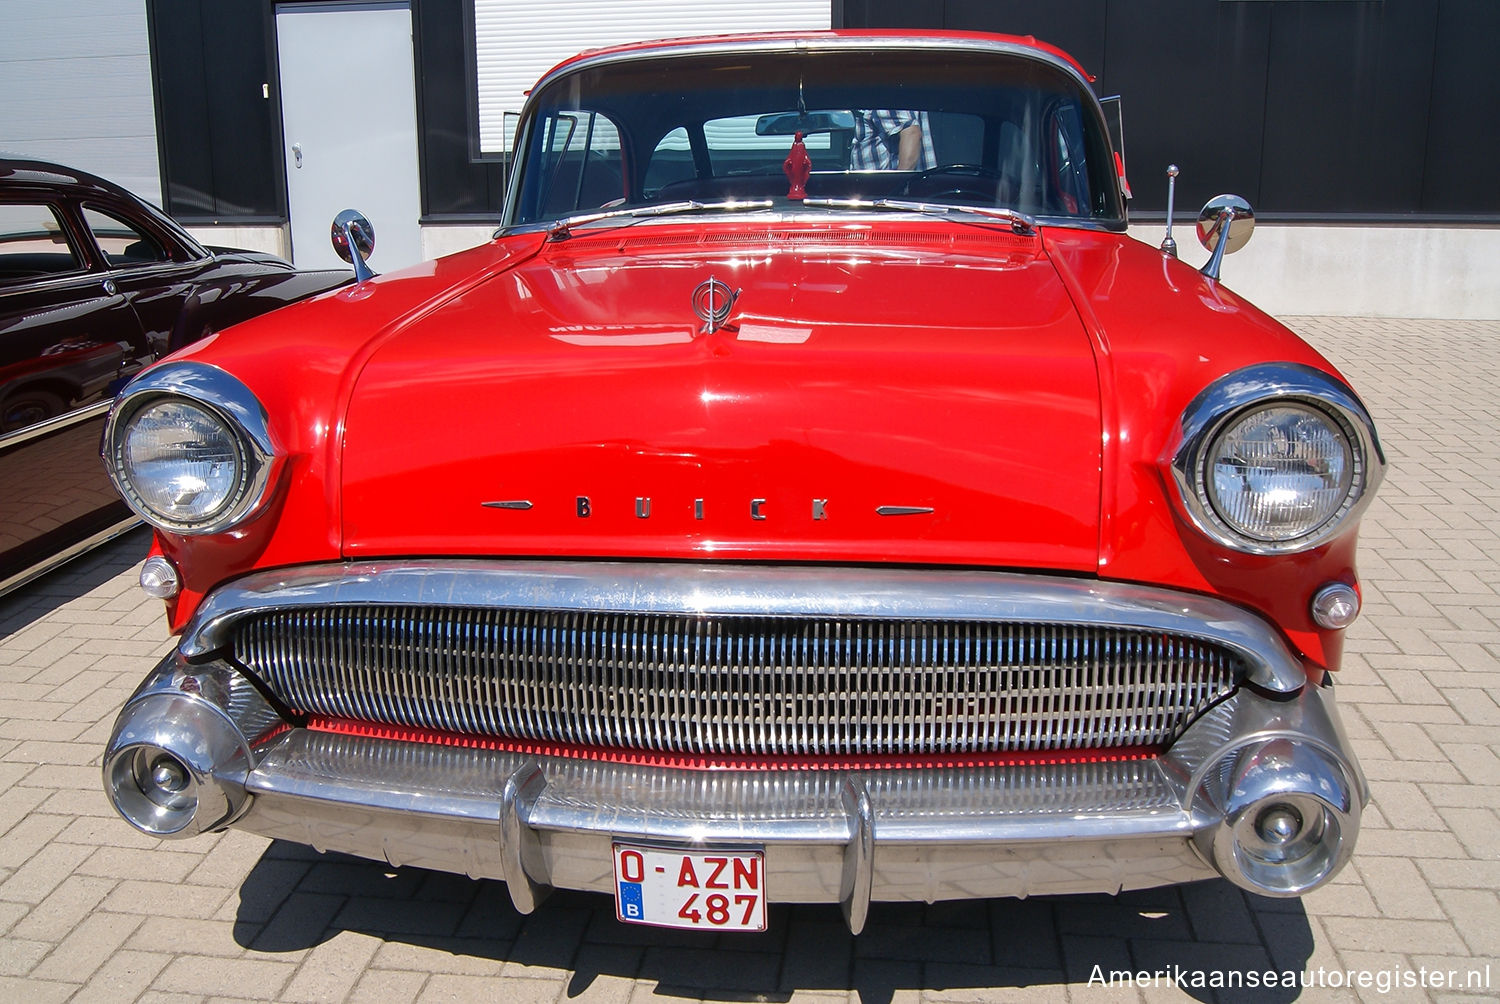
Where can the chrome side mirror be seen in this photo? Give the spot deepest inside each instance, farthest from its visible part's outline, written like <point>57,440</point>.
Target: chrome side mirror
<point>1224,226</point>
<point>354,241</point>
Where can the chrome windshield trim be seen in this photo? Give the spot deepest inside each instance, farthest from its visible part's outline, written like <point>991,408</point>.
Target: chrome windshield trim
<point>748,590</point>
<point>812,43</point>
<point>790,212</point>
<point>1266,383</point>
<point>809,44</point>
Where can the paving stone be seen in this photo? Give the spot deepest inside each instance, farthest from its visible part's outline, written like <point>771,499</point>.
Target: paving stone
<point>387,986</point>
<point>1398,889</point>
<point>331,970</point>
<point>124,977</point>
<point>1386,934</point>
<point>18,956</point>
<point>206,975</point>
<point>33,991</point>
<point>445,987</point>
<point>87,947</point>
<point>174,935</point>
<point>427,958</point>
<point>74,899</point>
<point>1476,914</point>
<point>604,973</point>
<point>44,871</point>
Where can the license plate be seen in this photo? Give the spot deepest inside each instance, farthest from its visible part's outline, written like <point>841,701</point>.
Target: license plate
<point>712,890</point>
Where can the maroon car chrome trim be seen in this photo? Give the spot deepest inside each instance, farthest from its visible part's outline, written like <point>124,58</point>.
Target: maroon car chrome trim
<point>53,424</point>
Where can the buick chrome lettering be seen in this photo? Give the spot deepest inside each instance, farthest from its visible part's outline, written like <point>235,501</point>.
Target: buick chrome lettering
<point>858,514</point>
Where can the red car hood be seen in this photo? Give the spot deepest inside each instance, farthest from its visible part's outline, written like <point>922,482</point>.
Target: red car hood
<point>922,396</point>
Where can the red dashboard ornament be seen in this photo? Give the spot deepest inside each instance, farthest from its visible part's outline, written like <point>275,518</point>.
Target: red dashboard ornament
<point>798,165</point>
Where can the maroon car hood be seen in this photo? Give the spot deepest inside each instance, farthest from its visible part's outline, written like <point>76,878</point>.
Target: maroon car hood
<point>924,396</point>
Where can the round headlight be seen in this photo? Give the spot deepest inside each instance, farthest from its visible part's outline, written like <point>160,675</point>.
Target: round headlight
<point>1275,458</point>
<point>1279,473</point>
<point>190,448</point>
<point>182,462</point>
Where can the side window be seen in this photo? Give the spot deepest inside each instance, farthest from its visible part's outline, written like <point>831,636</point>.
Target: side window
<point>582,165</point>
<point>671,161</point>
<point>33,244</point>
<point>122,243</point>
<point>1068,163</point>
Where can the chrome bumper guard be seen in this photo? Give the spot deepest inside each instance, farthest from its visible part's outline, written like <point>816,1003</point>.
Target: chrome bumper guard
<point>1262,790</point>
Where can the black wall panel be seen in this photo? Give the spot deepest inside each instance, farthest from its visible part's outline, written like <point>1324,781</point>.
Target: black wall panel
<point>1081,22</point>
<point>453,186</point>
<point>1346,106</point>
<point>886,13</point>
<point>177,57</point>
<point>1312,109</point>
<point>1462,170</point>
<point>1201,109</point>
<point>219,136</point>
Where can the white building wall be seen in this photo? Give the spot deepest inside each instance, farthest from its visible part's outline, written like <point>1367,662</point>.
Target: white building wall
<point>1357,270</point>
<point>516,41</point>
<point>75,88</point>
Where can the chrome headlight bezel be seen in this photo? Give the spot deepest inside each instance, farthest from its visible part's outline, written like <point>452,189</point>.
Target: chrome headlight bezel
<point>222,397</point>
<point>1237,395</point>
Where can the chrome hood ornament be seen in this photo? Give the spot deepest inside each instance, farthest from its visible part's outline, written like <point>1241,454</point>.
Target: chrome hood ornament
<point>712,302</point>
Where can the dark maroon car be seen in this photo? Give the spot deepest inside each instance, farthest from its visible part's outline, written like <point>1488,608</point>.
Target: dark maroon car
<point>95,284</point>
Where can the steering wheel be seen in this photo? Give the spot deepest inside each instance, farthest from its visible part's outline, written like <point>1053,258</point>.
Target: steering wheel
<point>953,179</point>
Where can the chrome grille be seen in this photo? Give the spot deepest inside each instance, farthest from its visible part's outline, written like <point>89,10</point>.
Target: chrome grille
<point>727,685</point>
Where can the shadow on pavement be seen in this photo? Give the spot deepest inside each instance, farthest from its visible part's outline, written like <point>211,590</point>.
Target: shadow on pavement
<point>295,898</point>
<point>36,599</point>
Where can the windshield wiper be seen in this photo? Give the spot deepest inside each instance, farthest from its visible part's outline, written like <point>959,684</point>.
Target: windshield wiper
<point>1019,222</point>
<point>561,230</point>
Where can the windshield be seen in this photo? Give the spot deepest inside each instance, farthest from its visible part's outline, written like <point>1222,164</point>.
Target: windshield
<point>969,128</point>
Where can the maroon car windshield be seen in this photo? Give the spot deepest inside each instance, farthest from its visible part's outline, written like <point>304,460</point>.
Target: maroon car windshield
<point>981,127</point>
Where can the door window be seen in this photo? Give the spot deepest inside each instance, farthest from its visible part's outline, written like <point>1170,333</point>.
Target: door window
<point>579,165</point>
<point>123,244</point>
<point>33,244</point>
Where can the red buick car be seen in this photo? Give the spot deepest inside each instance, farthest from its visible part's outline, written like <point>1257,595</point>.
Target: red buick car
<point>811,494</point>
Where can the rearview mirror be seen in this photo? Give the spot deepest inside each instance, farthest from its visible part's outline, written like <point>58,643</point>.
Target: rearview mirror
<point>807,123</point>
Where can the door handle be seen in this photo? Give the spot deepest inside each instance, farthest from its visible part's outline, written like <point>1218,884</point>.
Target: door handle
<point>297,154</point>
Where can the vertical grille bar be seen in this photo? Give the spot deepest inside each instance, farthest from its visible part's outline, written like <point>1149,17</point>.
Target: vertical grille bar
<point>739,686</point>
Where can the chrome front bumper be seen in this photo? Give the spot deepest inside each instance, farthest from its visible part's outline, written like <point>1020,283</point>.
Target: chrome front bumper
<point>197,748</point>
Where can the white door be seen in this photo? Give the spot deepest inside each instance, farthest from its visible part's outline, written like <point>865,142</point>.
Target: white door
<point>349,121</point>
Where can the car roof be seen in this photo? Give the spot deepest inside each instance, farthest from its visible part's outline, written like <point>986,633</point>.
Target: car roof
<point>836,38</point>
<point>45,174</point>
<point>30,175</point>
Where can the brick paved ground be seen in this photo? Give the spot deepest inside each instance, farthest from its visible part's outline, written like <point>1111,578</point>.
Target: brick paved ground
<point>92,911</point>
